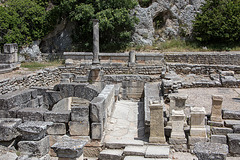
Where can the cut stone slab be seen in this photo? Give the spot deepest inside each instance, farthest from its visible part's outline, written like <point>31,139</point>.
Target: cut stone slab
<point>69,148</point>
<point>142,158</point>
<point>221,131</point>
<point>79,128</point>
<point>111,154</point>
<point>57,129</point>
<point>37,148</point>
<point>31,114</point>
<point>234,143</point>
<point>210,151</point>
<point>227,114</point>
<point>80,113</point>
<point>219,139</point>
<point>33,130</point>
<point>215,124</point>
<point>134,150</point>
<point>117,144</point>
<point>230,123</point>
<point>236,128</point>
<point>57,117</point>
<point>157,151</point>
<point>8,128</point>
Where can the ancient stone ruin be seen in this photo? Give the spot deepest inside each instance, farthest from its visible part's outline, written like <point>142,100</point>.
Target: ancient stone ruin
<point>114,106</point>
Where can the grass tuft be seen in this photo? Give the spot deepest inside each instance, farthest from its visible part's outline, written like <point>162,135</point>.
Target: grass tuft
<point>40,65</point>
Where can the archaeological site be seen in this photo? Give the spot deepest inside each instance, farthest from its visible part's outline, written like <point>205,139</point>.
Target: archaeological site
<point>132,105</point>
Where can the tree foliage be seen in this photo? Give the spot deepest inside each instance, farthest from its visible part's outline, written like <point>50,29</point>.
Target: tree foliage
<point>218,22</point>
<point>116,24</point>
<point>21,21</point>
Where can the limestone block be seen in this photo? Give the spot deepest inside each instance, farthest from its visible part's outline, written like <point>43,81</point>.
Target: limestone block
<point>33,103</point>
<point>57,117</point>
<point>231,114</point>
<point>8,128</point>
<point>193,140</point>
<point>215,124</point>
<point>211,151</point>
<point>231,123</point>
<point>97,109</point>
<point>135,150</point>
<point>4,114</point>
<point>31,114</point>
<point>221,131</point>
<point>40,100</point>
<point>216,114</point>
<point>57,129</point>
<point>219,139</point>
<point>79,128</point>
<point>96,131</point>
<point>234,143</point>
<point>236,128</point>
<point>162,151</point>
<point>33,130</point>
<point>69,148</point>
<point>110,154</point>
<point>10,48</point>
<point>80,113</point>
<point>197,122</point>
<point>177,102</point>
<point>178,118</point>
<point>37,148</point>
<point>13,112</point>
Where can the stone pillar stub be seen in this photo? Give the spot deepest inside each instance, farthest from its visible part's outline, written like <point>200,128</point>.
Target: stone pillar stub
<point>198,128</point>
<point>132,58</point>
<point>216,114</point>
<point>156,123</point>
<point>177,102</point>
<point>95,41</point>
<point>178,119</point>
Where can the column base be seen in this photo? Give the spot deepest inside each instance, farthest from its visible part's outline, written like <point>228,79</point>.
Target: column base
<point>157,140</point>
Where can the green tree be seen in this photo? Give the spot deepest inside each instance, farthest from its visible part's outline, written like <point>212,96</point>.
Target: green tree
<point>21,22</point>
<point>218,22</point>
<point>116,24</point>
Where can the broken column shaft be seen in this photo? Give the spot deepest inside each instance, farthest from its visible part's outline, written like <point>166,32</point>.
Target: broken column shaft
<point>95,41</point>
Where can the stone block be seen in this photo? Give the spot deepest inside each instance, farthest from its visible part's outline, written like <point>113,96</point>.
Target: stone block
<point>57,129</point>
<point>227,114</point>
<point>234,143</point>
<point>79,128</point>
<point>97,109</point>
<point>8,128</point>
<point>33,130</point>
<point>236,128</point>
<point>37,148</point>
<point>80,113</point>
<point>96,131</point>
<point>215,124</point>
<point>13,112</point>
<point>193,140</point>
<point>31,114</point>
<point>52,140</point>
<point>135,150</point>
<point>110,154</point>
<point>10,48</point>
<point>69,148</point>
<point>57,117</point>
<point>162,151</point>
<point>40,100</point>
<point>221,131</point>
<point>33,103</point>
<point>210,151</point>
<point>231,123</point>
<point>219,139</point>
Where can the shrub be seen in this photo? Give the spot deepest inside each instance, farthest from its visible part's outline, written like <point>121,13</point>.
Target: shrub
<point>218,22</point>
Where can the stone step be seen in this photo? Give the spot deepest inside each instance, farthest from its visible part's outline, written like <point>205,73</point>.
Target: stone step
<point>135,150</point>
<point>7,70</point>
<point>4,66</point>
<point>117,144</point>
<point>111,154</point>
<point>143,158</point>
<point>155,151</point>
<point>231,123</point>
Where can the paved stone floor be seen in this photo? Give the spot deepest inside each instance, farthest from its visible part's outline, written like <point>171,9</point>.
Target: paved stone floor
<point>126,124</point>
<point>201,97</point>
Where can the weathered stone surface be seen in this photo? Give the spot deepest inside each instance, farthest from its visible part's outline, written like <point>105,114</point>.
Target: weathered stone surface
<point>13,112</point>
<point>230,123</point>
<point>33,130</point>
<point>32,157</point>
<point>4,114</point>
<point>236,128</point>
<point>57,117</point>
<point>31,114</point>
<point>234,143</point>
<point>69,148</point>
<point>37,148</point>
<point>96,131</point>
<point>198,128</point>
<point>57,129</point>
<point>210,151</point>
<point>216,114</point>
<point>134,150</point>
<point>96,109</point>
<point>52,140</point>
<point>221,131</point>
<point>79,128</point>
<point>7,153</point>
<point>219,139</point>
<point>80,113</point>
<point>227,114</point>
<point>8,128</point>
<point>110,154</point>
<point>215,124</point>
<point>162,152</point>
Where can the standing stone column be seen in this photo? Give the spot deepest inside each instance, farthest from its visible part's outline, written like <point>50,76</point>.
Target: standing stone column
<point>95,41</point>
<point>132,58</point>
<point>216,114</point>
<point>156,123</point>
